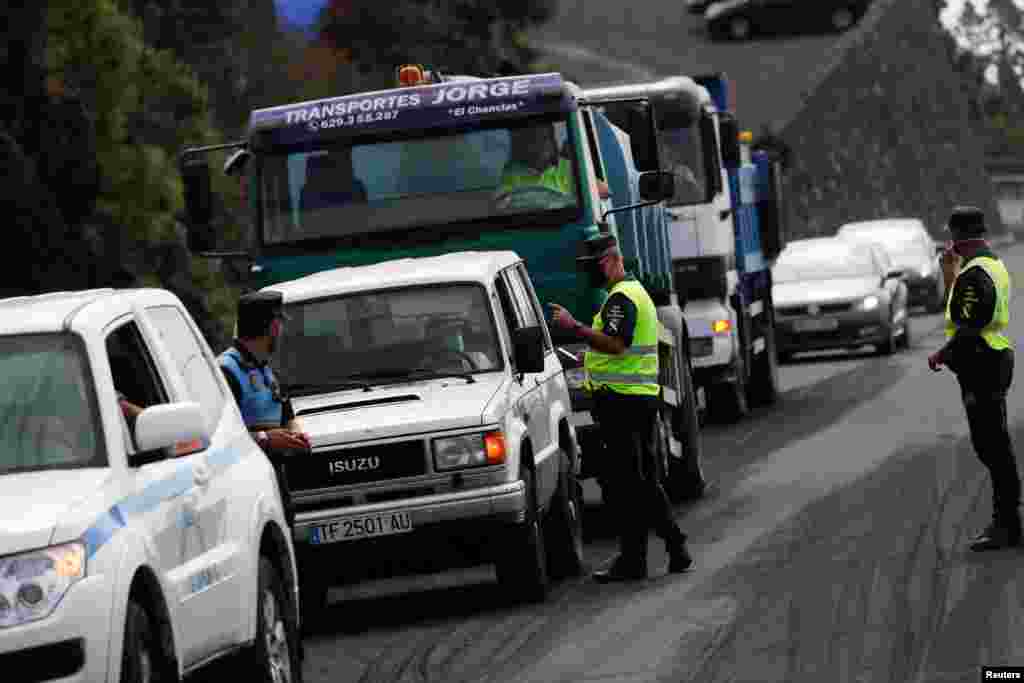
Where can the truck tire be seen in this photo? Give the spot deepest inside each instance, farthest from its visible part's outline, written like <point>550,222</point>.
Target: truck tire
<point>521,564</point>
<point>727,401</point>
<point>273,657</point>
<point>564,528</point>
<point>684,477</point>
<point>764,375</point>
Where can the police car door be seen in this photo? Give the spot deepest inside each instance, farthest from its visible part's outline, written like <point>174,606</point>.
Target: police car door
<point>210,589</point>
<point>533,400</point>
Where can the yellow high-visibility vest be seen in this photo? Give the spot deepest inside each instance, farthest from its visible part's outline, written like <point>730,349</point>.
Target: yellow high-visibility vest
<point>635,371</point>
<point>993,333</point>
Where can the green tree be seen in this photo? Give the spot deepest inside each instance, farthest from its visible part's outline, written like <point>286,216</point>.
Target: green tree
<point>146,105</point>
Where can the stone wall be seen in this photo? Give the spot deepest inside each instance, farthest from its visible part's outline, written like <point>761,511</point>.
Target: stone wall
<point>884,131</point>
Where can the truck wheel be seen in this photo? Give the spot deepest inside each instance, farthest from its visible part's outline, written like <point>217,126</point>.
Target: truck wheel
<point>273,657</point>
<point>522,559</point>
<point>764,376</point>
<point>142,659</point>
<point>727,401</point>
<point>565,529</point>
<point>684,477</point>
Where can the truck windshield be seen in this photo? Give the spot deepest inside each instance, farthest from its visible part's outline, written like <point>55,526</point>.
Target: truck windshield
<point>350,188</point>
<point>389,334</point>
<point>48,415</point>
<point>683,152</point>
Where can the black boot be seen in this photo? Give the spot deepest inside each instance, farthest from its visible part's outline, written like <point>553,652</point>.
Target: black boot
<point>622,569</point>
<point>679,559</point>
<point>1000,537</point>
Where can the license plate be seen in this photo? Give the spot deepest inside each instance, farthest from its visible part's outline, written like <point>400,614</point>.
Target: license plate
<point>815,325</point>
<point>353,528</point>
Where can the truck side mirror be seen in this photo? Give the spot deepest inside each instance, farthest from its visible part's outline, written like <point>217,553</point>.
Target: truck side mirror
<point>712,160</point>
<point>528,349</point>
<point>195,175</point>
<point>730,131</point>
<point>657,185</point>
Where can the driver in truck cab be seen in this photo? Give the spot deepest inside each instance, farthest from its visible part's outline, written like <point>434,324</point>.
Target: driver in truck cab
<point>534,160</point>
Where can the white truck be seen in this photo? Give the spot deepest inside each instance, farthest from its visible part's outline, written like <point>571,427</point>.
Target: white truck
<point>142,531</point>
<point>440,423</point>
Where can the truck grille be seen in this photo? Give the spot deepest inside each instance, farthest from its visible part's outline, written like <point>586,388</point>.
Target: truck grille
<point>358,465</point>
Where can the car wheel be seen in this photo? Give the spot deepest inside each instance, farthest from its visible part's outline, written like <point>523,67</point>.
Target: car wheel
<point>888,347</point>
<point>142,659</point>
<point>565,528</point>
<point>905,338</point>
<point>522,557</point>
<point>273,657</point>
<point>842,18</point>
<point>739,28</point>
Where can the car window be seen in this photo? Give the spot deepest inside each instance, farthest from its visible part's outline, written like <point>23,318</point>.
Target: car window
<point>523,279</point>
<point>133,371</point>
<point>49,417</point>
<point>508,308</point>
<point>197,371</point>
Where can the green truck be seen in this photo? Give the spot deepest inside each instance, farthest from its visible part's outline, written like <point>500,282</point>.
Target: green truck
<point>422,170</point>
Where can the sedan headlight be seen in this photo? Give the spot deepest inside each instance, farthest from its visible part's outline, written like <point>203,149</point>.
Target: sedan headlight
<point>925,271</point>
<point>33,584</point>
<point>869,303</point>
<point>469,450</point>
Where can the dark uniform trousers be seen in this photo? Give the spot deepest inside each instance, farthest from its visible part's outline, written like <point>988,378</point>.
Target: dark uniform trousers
<point>985,377</point>
<point>629,474</point>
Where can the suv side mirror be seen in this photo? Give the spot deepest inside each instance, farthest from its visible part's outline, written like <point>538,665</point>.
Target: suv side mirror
<point>528,348</point>
<point>173,429</point>
<point>195,175</point>
<point>657,185</point>
<point>730,132</point>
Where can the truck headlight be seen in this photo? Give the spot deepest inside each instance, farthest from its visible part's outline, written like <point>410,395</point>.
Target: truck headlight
<point>869,303</point>
<point>469,450</point>
<point>575,378</point>
<point>33,584</point>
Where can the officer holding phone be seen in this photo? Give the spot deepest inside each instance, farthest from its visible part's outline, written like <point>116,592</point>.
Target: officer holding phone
<point>980,353</point>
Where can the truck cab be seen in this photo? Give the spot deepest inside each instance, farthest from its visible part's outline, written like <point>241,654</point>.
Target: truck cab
<point>433,167</point>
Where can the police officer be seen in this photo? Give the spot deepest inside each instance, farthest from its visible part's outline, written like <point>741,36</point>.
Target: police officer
<point>622,374</point>
<point>980,353</point>
<point>267,414</point>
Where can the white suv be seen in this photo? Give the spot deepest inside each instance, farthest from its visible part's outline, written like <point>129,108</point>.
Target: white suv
<point>439,415</point>
<point>134,546</point>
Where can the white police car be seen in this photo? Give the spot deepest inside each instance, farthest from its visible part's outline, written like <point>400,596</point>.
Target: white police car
<point>132,549</point>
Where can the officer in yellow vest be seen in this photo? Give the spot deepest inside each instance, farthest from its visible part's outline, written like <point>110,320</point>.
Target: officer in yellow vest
<point>622,374</point>
<point>980,353</point>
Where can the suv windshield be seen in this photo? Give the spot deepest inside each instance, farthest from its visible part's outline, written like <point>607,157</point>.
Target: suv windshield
<point>388,334</point>
<point>349,187</point>
<point>48,414</point>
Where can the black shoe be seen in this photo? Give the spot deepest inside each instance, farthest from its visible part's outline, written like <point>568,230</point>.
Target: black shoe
<point>679,560</point>
<point>620,571</point>
<point>998,539</point>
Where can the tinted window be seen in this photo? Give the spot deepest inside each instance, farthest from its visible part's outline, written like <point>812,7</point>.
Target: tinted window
<point>48,410</point>
<point>535,306</point>
<point>132,369</point>
<point>181,341</point>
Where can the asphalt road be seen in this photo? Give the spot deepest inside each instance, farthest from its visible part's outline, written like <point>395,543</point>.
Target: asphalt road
<point>609,41</point>
<point>831,547</point>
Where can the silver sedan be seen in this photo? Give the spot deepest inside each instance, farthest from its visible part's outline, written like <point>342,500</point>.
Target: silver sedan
<point>830,293</point>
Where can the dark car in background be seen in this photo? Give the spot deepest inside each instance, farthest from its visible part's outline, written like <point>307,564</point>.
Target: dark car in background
<point>910,247</point>
<point>832,293</point>
<point>741,19</point>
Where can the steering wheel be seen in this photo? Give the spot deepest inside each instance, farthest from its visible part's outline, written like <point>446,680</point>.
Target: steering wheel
<point>461,355</point>
<point>520,197</point>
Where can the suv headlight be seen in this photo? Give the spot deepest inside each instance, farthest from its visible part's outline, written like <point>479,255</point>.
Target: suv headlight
<point>33,584</point>
<point>469,450</point>
<point>869,303</point>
